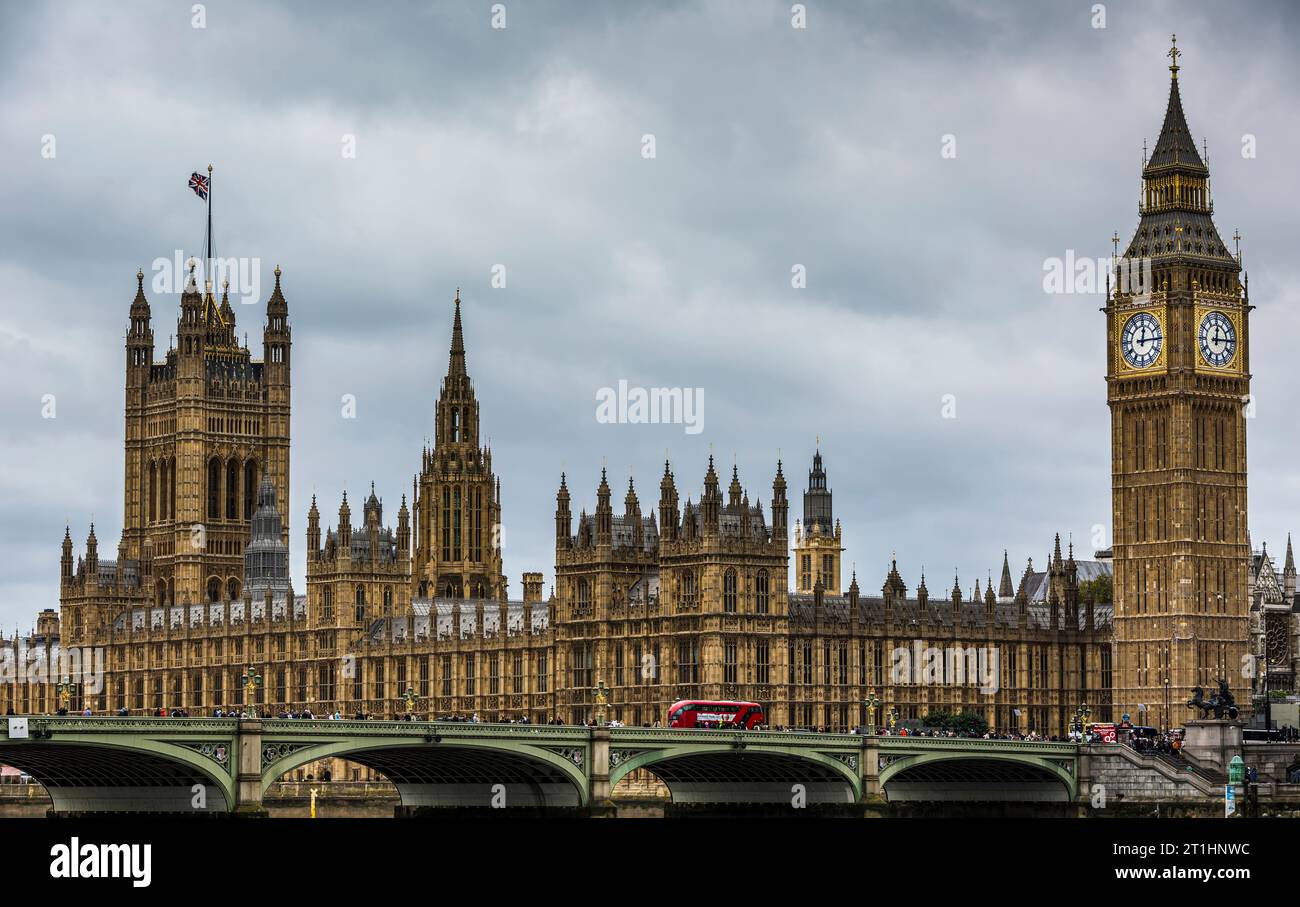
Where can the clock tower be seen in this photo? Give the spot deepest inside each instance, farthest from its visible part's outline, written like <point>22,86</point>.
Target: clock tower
<point>1178,385</point>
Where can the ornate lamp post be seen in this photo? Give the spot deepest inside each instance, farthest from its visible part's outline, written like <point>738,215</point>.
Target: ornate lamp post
<point>1081,717</point>
<point>872,702</point>
<point>411,700</point>
<point>65,688</point>
<point>251,680</point>
<point>602,702</point>
<point>892,716</point>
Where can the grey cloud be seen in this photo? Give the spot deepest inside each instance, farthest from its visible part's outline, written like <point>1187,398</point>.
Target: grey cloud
<point>775,147</point>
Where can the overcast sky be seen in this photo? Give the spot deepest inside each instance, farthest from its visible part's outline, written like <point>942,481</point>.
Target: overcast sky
<point>523,147</point>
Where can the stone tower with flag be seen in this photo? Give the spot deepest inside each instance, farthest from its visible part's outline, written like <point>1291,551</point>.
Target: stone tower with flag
<point>205,425</point>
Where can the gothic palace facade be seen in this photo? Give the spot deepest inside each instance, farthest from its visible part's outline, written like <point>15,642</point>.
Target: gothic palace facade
<point>672,599</point>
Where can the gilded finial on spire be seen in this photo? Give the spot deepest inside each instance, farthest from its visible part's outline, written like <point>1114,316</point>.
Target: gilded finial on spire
<point>1173,55</point>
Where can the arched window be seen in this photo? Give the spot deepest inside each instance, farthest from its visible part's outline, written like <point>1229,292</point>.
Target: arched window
<point>729,592</point>
<point>327,603</point>
<point>361,604</point>
<point>171,492</point>
<point>153,492</point>
<point>232,586</point>
<point>455,424</point>
<point>214,590</point>
<point>214,489</point>
<point>388,601</point>
<point>232,490</point>
<point>250,488</point>
<point>762,593</point>
<point>688,589</point>
<point>584,596</point>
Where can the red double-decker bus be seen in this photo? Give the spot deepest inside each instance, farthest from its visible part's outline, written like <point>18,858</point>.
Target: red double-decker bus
<point>704,713</point>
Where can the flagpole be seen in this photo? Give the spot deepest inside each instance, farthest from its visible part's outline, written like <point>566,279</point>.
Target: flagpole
<point>210,275</point>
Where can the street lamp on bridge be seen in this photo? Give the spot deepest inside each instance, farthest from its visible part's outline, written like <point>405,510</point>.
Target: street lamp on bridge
<point>872,702</point>
<point>602,702</point>
<point>251,680</point>
<point>1081,717</point>
<point>411,700</point>
<point>65,688</point>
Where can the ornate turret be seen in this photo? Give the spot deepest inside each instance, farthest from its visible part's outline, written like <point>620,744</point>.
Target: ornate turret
<point>190,329</point>
<point>711,501</point>
<point>65,560</point>
<point>345,526</point>
<point>817,512</point>
<point>893,589</point>
<point>403,530</point>
<point>780,506</point>
<point>668,515</point>
<point>92,553</point>
<point>276,340</point>
<point>139,338</point>
<point>604,512</point>
<point>563,516</point>
<point>313,529</point>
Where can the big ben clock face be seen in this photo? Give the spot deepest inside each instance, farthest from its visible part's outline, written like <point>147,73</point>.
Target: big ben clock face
<point>1217,338</point>
<point>1142,340</point>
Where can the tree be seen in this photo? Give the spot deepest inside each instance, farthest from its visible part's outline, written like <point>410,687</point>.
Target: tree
<point>1099,590</point>
<point>966,721</point>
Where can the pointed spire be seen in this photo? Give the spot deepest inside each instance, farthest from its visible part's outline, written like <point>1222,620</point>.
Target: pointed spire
<point>630,503</point>
<point>139,305</point>
<point>1005,589</point>
<point>1175,144</point>
<point>1290,557</point>
<point>276,305</point>
<point>456,366</point>
<point>1056,554</point>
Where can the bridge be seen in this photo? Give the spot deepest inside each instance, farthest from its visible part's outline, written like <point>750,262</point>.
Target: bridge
<point>215,765</point>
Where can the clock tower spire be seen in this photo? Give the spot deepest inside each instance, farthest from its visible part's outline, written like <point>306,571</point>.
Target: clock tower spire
<point>1178,386</point>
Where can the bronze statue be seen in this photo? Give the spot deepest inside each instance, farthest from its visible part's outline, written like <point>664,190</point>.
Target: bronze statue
<point>1221,703</point>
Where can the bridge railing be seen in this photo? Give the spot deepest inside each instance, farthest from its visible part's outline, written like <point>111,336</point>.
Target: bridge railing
<point>125,724</point>
<point>444,728</point>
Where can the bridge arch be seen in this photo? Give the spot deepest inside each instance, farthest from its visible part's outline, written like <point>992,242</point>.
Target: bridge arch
<point>748,773</point>
<point>451,772</point>
<point>983,776</point>
<point>135,775</point>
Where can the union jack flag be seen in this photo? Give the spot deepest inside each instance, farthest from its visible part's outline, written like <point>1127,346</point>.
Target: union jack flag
<point>199,184</point>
